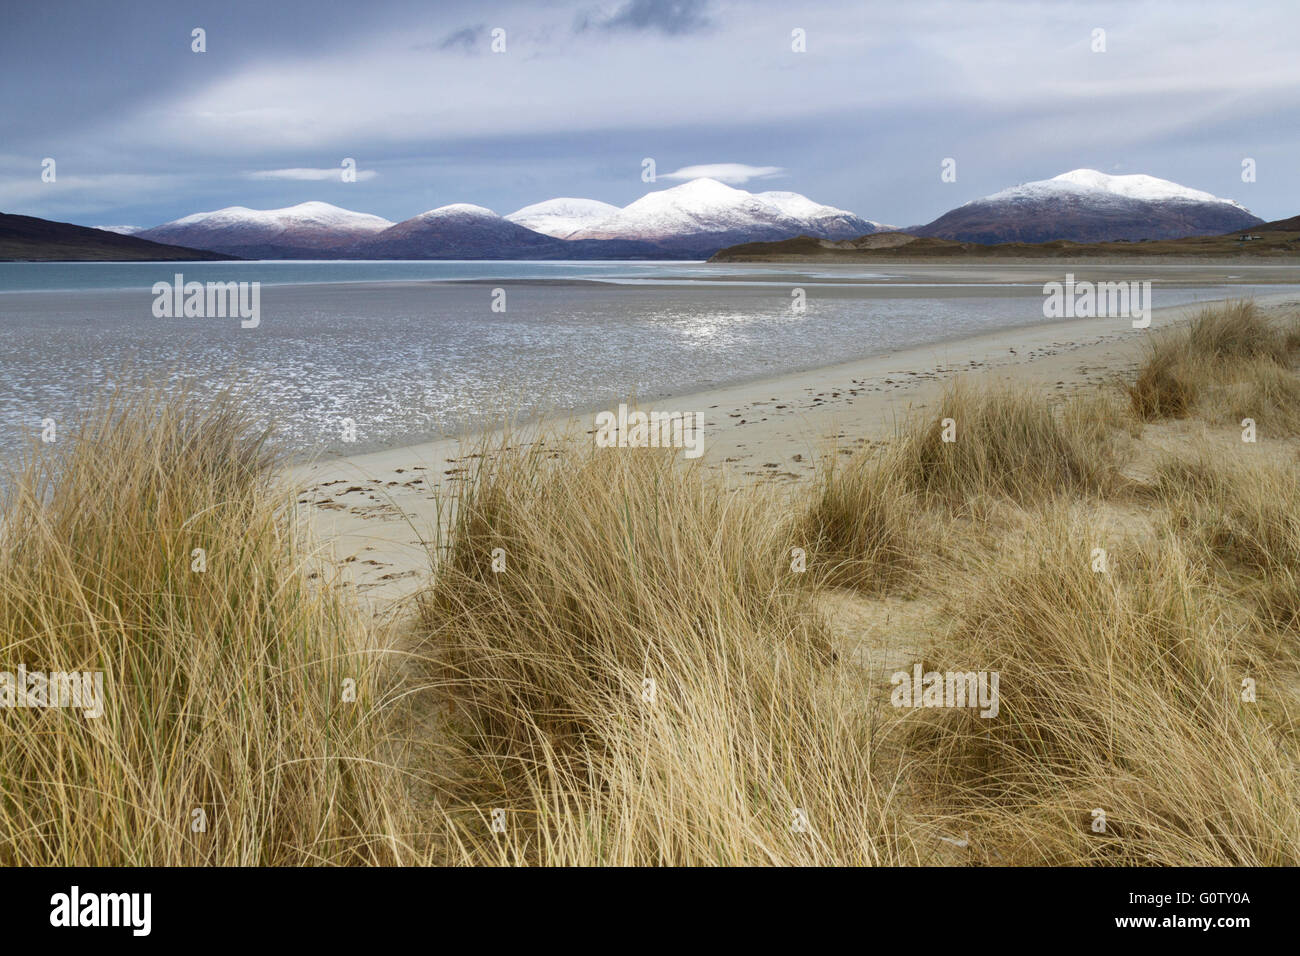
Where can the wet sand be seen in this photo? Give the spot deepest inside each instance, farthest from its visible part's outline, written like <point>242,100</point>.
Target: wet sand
<point>374,513</point>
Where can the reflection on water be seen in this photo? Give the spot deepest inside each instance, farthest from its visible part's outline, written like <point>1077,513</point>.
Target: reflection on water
<point>419,359</point>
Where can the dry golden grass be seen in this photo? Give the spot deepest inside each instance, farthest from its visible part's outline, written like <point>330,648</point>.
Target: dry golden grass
<point>1166,385</point>
<point>223,688</point>
<point>860,523</point>
<point>1245,518</point>
<point>1229,363</point>
<point>1120,692</point>
<point>1009,442</point>
<point>621,568</point>
<point>1263,392</point>
<point>872,521</point>
<point>617,651</point>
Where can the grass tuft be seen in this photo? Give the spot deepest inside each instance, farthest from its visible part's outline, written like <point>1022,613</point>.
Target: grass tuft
<point>622,567</point>
<point>223,687</point>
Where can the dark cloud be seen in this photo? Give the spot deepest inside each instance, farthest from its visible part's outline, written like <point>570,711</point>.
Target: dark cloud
<point>470,39</point>
<point>145,130</point>
<point>671,17</point>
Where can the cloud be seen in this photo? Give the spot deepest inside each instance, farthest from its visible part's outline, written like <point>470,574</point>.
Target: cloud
<point>671,17</point>
<point>468,39</point>
<point>309,175</point>
<point>861,121</point>
<point>733,173</point>
<point>85,190</point>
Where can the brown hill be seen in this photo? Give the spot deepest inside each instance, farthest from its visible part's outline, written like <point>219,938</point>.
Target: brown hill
<point>1279,239</point>
<point>1280,225</point>
<point>29,239</point>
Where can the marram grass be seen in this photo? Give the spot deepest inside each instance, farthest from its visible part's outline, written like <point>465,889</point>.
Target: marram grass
<point>225,739</point>
<point>619,660</point>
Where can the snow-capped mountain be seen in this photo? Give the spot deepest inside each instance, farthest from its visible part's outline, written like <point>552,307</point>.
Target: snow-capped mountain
<point>121,230</point>
<point>562,217</point>
<point>693,220</point>
<point>704,215</point>
<point>824,222</point>
<point>1085,205</point>
<point>458,231</point>
<point>308,230</point>
<point>1132,186</point>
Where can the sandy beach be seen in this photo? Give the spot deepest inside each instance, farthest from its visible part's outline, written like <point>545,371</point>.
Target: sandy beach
<point>650,433</point>
<point>374,513</point>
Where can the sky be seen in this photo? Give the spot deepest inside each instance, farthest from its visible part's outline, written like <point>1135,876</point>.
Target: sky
<point>143,129</point>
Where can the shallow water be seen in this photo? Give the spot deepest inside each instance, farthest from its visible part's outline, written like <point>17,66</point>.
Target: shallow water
<point>417,351</point>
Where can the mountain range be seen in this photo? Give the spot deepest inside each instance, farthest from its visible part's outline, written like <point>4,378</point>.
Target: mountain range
<point>310,230</point>
<point>697,219</point>
<point>693,220</point>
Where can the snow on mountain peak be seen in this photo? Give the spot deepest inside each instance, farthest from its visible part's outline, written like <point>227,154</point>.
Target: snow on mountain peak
<point>313,213</point>
<point>703,187</point>
<point>1085,205</point>
<point>801,207</point>
<point>563,216</point>
<point>695,216</point>
<point>1136,186</point>
<point>701,195</point>
<point>704,206</point>
<point>460,209</point>
<point>796,203</point>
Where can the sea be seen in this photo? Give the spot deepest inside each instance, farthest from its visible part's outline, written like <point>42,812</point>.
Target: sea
<point>404,352</point>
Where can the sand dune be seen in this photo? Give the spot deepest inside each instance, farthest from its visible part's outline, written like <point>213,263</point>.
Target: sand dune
<point>375,512</point>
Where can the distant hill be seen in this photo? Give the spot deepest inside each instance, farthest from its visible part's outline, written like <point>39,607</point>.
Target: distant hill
<point>459,231</point>
<point>1088,206</point>
<point>562,217</point>
<point>1279,239</point>
<point>29,239</point>
<point>690,221</point>
<point>309,230</point>
<point>702,216</point>
<point>1279,225</point>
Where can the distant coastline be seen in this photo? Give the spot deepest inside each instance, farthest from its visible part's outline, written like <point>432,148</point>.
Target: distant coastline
<point>1275,240</point>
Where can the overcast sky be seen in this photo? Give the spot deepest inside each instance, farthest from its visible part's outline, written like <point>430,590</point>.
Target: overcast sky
<point>143,130</point>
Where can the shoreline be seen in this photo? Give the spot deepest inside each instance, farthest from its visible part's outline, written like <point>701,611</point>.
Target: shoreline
<point>942,284</point>
<point>931,272</point>
<point>374,512</point>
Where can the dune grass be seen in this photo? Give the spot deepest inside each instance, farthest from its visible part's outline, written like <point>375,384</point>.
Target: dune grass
<point>875,520</point>
<point>1229,363</point>
<point>644,679</point>
<point>1122,688</point>
<point>1244,517</point>
<point>154,547</point>
<point>1121,692</point>
<point>1007,441</point>
<point>860,523</point>
<point>622,659</point>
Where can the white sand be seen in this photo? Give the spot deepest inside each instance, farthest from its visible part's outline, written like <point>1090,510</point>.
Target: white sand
<point>375,513</point>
